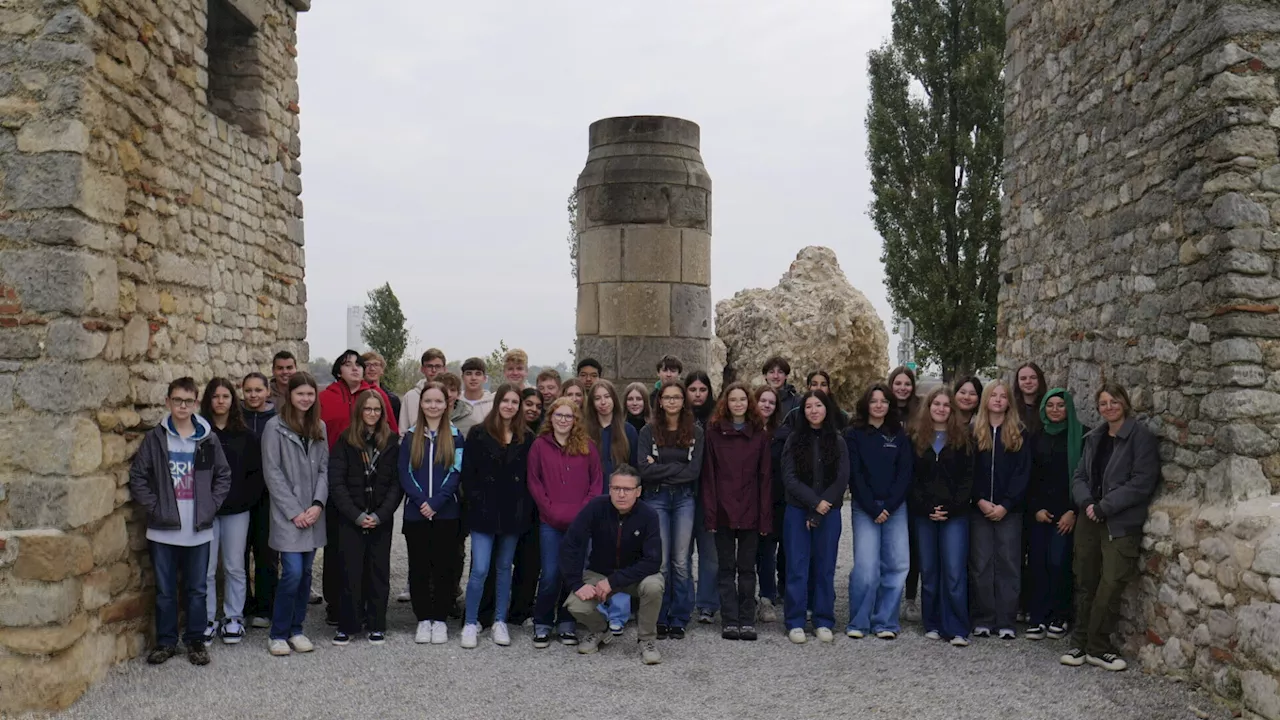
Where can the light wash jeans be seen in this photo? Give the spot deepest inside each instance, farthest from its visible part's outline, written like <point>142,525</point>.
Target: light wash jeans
<point>675,508</point>
<point>481,553</point>
<point>881,559</point>
<point>230,536</point>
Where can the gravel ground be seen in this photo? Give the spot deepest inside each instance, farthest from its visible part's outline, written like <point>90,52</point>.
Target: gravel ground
<point>701,676</point>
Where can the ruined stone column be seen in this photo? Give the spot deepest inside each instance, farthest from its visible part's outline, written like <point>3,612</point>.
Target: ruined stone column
<point>644,258</point>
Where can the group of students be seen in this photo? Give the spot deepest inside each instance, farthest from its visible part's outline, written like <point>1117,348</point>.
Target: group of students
<point>579,498</point>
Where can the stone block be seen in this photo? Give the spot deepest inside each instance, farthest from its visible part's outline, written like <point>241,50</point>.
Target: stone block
<point>657,169</point>
<point>588,316</point>
<point>1259,633</point>
<point>1235,210</point>
<point>639,203</point>
<point>7,384</point>
<point>638,356</point>
<point>58,502</point>
<point>50,555</point>
<point>690,311</point>
<point>604,349</point>
<point>1223,405</point>
<point>1245,439</point>
<point>45,640</point>
<point>1266,559</point>
<point>58,386</point>
<point>650,254</point>
<point>51,444</point>
<point>50,180</point>
<point>57,682</point>
<point>95,589</point>
<point>179,270</point>
<point>55,280</point>
<point>68,339</point>
<point>57,229</point>
<point>600,255</point>
<point>137,337</point>
<point>695,257</point>
<point>1233,350</point>
<point>111,541</point>
<point>634,308</point>
<point>21,343</point>
<point>690,208</point>
<point>55,135</point>
<point>1260,693</point>
<point>30,603</point>
<point>127,607</point>
<point>293,322</point>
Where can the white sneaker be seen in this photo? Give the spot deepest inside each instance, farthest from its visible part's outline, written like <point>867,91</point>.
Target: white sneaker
<point>210,632</point>
<point>301,644</point>
<point>423,636</point>
<point>439,632</point>
<point>404,596</point>
<point>279,648</point>
<point>933,635</point>
<point>855,634</point>
<point>824,634</point>
<point>469,633</point>
<point>765,612</point>
<point>959,641</point>
<point>1008,634</point>
<point>500,634</point>
<point>797,636</point>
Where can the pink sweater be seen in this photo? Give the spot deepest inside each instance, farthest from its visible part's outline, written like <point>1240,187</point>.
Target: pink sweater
<point>562,484</point>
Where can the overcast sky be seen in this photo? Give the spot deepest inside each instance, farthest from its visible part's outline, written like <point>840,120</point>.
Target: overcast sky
<point>440,141</point>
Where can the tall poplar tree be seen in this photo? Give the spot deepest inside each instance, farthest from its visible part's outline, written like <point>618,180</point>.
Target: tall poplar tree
<point>935,137</point>
<point>384,327</point>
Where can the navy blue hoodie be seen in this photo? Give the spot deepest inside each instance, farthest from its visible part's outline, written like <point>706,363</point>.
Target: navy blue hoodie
<point>879,468</point>
<point>1000,476</point>
<point>624,548</point>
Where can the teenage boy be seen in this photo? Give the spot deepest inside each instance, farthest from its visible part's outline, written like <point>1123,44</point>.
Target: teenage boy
<point>474,394</point>
<point>433,363</point>
<point>375,368</point>
<point>548,384</point>
<point>589,371</point>
<point>283,366</point>
<point>180,476</point>
<point>515,368</point>
<point>669,369</point>
<point>776,370</point>
<point>618,540</point>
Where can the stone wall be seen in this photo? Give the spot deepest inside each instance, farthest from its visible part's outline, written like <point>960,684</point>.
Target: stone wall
<point>1142,196</point>
<point>142,237</point>
<point>644,254</point>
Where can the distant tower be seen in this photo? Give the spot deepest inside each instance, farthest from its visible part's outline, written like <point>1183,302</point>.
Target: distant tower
<point>355,318</point>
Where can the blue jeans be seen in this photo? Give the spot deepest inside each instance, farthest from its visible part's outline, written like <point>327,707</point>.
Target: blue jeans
<point>881,559</point>
<point>810,551</point>
<point>481,554</point>
<point>292,594</point>
<point>675,508</point>
<point>944,575</point>
<point>707,596</point>
<point>1049,565</point>
<point>192,563</point>
<point>767,567</point>
<point>617,609</point>
<point>547,609</point>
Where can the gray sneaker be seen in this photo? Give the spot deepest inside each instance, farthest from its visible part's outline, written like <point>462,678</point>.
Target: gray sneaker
<point>593,643</point>
<point>649,654</point>
<point>766,612</point>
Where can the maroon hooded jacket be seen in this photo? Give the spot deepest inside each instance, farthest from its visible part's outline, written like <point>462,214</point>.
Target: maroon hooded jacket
<point>737,478</point>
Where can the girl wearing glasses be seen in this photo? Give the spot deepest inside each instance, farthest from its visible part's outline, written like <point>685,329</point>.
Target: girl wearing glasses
<point>564,474</point>
<point>672,447</point>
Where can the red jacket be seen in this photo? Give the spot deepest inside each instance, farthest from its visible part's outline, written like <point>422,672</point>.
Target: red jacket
<point>737,478</point>
<point>335,408</point>
<point>562,484</point>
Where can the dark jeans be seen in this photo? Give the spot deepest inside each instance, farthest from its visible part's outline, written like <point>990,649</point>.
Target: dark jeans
<point>292,594</point>
<point>995,570</point>
<point>434,567</point>
<point>331,575</point>
<point>736,552</point>
<point>1103,567</point>
<point>366,577</point>
<point>192,563</point>
<point>811,567</point>
<point>524,582</point>
<point>706,595</point>
<point>944,580</point>
<point>913,570</point>
<point>1048,589</point>
<point>549,608</point>
<point>266,562</point>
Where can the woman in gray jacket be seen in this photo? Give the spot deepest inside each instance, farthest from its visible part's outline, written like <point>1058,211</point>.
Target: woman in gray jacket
<point>1118,472</point>
<point>295,463</point>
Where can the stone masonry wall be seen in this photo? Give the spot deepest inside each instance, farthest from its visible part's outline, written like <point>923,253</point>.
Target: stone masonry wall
<point>1142,197</point>
<point>142,237</point>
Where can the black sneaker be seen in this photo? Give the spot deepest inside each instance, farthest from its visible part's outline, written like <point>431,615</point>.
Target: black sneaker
<point>1073,657</point>
<point>1036,632</point>
<point>160,654</point>
<point>198,655</point>
<point>982,632</point>
<point>731,633</point>
<point>706,617</point>
<point>675,633</point>
<point>1058,630</point>
<point>377,638</point>
<point>568,638</point>
<point>341,638</point>
<point>1107,661</point>
<point>747,632</point>
<point>663,632</point>
<point>541,639</point>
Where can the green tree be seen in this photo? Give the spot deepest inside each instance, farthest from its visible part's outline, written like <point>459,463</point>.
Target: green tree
<point>935,136</point>
<point>493,364</point>
<point>573,236</point>
<point>384,328</point>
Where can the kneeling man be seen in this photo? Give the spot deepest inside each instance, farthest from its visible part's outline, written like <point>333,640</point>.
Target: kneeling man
<point>626,557</point>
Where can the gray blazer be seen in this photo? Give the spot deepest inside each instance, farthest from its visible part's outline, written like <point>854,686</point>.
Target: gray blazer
<point>1128,482</point>
<point>297,478</point>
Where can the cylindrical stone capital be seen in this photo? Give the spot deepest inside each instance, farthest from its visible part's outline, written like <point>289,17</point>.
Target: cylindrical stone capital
<point>644,257</point>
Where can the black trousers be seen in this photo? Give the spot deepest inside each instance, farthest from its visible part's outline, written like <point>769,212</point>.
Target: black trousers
<point>331,578</point>
<point>736,550</point>
<point>524,582</point>
<point>434,567</point>
<point>261,593</point>
<point>366,578</point>
<point>913,570</point>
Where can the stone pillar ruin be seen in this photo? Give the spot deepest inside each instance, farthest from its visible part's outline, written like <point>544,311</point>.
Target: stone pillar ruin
<point>644,258</point>
<point>150,228</point>
<point>1142,201</point>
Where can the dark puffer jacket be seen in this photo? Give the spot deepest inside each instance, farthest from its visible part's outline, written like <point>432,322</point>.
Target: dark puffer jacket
<point>353,491</point>
<point>495,489</point>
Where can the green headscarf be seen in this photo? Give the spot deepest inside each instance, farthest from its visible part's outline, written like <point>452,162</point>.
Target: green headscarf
<point>1073,428</point>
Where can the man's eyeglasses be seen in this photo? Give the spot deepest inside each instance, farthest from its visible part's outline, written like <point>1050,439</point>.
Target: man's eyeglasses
<point>622,490</point>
